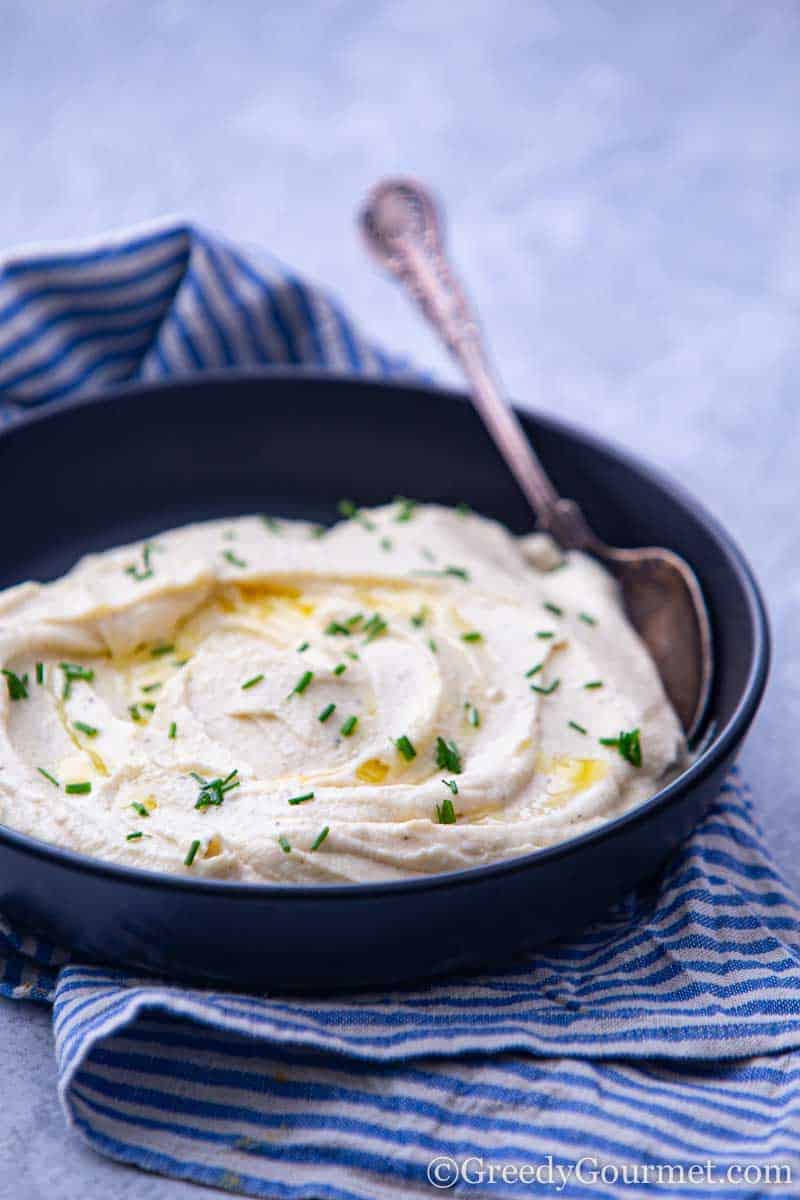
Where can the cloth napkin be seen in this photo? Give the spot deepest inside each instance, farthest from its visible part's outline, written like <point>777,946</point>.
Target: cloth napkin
<point>662,1039</point>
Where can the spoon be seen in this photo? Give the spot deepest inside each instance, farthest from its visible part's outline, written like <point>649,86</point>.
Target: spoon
<point>660,591</point>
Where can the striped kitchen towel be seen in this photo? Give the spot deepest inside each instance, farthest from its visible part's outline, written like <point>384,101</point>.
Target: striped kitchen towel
<point>656,1054</point>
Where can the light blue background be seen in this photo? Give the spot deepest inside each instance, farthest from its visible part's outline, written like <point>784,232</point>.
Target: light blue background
<point>623,187</point>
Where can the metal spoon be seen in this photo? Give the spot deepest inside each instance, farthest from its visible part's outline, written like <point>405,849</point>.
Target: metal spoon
<point>660,591</point>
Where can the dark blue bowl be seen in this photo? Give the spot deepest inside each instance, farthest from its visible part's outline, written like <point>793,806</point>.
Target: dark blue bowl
<point>93,474</point>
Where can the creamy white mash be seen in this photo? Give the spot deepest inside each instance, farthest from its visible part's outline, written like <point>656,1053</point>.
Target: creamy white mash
<point>414,690</point>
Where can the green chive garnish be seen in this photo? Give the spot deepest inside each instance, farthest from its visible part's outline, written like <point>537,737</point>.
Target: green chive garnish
<point>419,618</point>
<point>301,649</point>
<point>233,559</point>
<point>473,716</point>
<point>272,525</point>
<point>252,682</point>
<point>340,668</point>
<point>587,620</point>
<point>301,799</point>
<point>149,707</point>
<point>595,683</point>
<point>473,636</point>
<point>166,648</point>
<point>534,670</point>
<point>320,838</point>
<point>387,543</point>
<point>348,726</point>
<point>445,813</point>
<point>151,687</point>
<point>546,691</point>
<point>352,654</point>
<point>458,572</point>
<point>214,791</point>
<point>190,857</point>
<point>327,711</point>
<point>579,728</point>
<point>48,776</point>
<point>173,730</point>
<point>89,730</point>
<point>346,508</point>
<point>451,783</point>
<point>628,745</point>
<point>405,748</point>
<point>374,627</point>
<point>145,571</point>
<point>17,685</point>
<point>140,809</point>
<point>406,510</point>
<point>285,844</point>
<point>134,711</point>
<point>545,633</point>
<point>78,789</point>
<point>462,508</point>
<point>40,672</point>
<point>302,683</point>
<point>554,609</point>
<point>448,756</point>
<point>72,673</point>
<point>134,837</point>
<point>432,645</point>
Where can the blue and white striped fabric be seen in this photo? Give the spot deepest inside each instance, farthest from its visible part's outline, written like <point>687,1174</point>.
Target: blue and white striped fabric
<point>665,1037</point>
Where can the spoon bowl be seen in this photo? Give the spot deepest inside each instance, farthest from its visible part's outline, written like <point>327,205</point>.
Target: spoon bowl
<point>660,591</point>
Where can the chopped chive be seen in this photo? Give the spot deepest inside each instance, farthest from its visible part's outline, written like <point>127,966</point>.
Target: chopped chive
<point>233,559</point>
<point>554,609</point>
<point>387,543</point>
<point>346,508</point>
<point>356,619</point>
<point>40,672</point>
<point>327,712</point>
<point>374,627</point>
<point>432,646</point>
<point>302,683</point>
<point>134,837</point>
<point>133,709</point>
<point>352,654</point>
<point>337,629</point>
<point>149,707</point>
<point>594,683</point>
<point>317,531</point>
<point>462,508</point>
<point>445,813</point>
<point>48,776</point>
<point>473,716</point>
<point>534,670</point>
<point>628,745</point>
<point>181,662</point>
<point>405,748</point>
<point>301,649</point>
<point>349,726</point>
<point>406,510</point>
<point>78,789</point>
<point>166,648</point>
<point>173,730</point>
<point>579,728</point>
<point>451,783</point>
<point>448,756</point>
<point>190,857</point>
<point>285,844</point>
<point>145,571</point>
<point>82,727</point>
<point>472,636</point>
<point>252,682</point>
<point>72,673</point>
<point>17,685</point>
<point>272,525</point>
<point>587,619</point>
<point>340,668</point>
<point>545,633</point>
<point>320,838</point>
<point>151,687</point>
<point>301,799</point>
<point>419,618</point>
<point>214,791</point>
<point>458,572</point>
<point>546,691</point>
<point>140,809</point>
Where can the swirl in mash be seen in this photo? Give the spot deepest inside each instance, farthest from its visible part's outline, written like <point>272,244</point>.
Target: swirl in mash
<point>413,691</point>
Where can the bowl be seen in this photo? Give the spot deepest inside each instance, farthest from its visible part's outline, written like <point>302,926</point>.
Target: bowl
<point>91,474</point>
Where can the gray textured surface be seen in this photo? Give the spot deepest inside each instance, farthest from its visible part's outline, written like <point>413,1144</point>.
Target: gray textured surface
<point>623,185</point>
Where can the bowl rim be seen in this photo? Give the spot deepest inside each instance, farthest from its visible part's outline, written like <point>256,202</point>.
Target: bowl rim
<point>713,755</point>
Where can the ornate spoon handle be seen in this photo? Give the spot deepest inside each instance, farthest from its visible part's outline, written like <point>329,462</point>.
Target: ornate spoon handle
<point>402,229</point>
